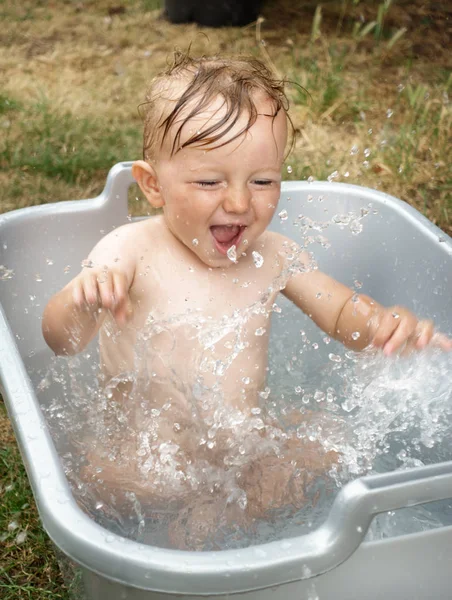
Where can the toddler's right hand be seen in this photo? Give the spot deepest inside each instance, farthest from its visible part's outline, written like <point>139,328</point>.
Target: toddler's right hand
<point>100,287</point>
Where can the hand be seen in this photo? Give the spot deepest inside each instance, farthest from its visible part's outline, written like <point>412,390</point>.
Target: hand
<point>396,328</point>
<point>101,287</point>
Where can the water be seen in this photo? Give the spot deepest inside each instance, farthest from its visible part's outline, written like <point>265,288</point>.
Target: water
<point>370,413</point>
<point>159,454</point>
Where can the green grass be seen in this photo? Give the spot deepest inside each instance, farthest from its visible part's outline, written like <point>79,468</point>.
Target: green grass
<point>57,148</point>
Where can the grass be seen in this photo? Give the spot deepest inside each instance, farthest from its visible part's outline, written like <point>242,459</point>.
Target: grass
<point>376,113</point>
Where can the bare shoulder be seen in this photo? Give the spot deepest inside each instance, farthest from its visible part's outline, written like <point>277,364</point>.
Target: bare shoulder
<point>125,241</point>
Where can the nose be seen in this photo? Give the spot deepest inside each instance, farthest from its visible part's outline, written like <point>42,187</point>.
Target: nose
<point>237,200</point>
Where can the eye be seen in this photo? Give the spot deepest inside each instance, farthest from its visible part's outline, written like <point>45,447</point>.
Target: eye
<point>207,184</point>
<point>263,182</point>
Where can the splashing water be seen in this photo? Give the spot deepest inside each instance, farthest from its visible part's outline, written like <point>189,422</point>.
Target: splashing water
<point>258,259</point>
<point>162,456</point>
<point>232,253</point>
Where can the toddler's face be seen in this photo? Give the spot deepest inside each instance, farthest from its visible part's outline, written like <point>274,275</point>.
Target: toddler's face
<point>216,198</point>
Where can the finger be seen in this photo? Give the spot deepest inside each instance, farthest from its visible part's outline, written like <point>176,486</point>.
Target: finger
<point>78,295</point>
<point>122,307</point>
<point>442,341</point>
<point>419,339</point>
<point>424,332</point>
<point>401,335</point>
<point>105,287</point>
<point>120,289</point>
<point>386,327</point>
<point>90,290</point>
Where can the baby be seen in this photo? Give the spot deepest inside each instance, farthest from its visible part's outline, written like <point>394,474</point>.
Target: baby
<point>215,137</point>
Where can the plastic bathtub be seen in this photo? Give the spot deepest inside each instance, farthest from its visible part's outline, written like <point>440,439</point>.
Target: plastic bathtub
<point>401,257</point>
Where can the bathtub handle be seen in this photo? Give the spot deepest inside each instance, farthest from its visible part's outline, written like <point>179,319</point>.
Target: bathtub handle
<point>115,192</point>
<point>360,500</point>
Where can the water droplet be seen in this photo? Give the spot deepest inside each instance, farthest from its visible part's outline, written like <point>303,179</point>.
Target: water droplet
<point>298,389</point>
<point>258,259</point>
<point>232,253</point>
<point>318,295</point>
<point>87,264</point>
<point>246,380</point>
<point>356,335</point>
<point>310,179</point>
<point>354,150</point>
<point>260,331</point>
<point>333,176</point>
<point>356,227</point>
<point>264,394</point>
<point>367,152</point>
<point>327,340</point>
<point>305,572</point>
<point>38,277</point>
<point>289,169</point>
<point>400,87</point>
<point>195,241</point>
<point>283,215</point>
<point>441,239</point>
<point>366,164</point>
<point>67,268</point>
<point>389,113</point>
<point>358,284</point>
<point>21,537</point>
<point>396,315</point>
<point>13,525</point>
<point>49,261</point>
<point>276,308</point>
<point>6,273</point>
<point>359,529</point>
<point>335,357</point>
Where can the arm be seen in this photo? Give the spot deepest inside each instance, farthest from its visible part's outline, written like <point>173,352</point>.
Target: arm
<point>357,320</point>
<point>74,315</point>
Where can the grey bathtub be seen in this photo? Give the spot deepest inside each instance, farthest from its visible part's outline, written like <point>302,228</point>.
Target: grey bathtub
<point>400,257</point>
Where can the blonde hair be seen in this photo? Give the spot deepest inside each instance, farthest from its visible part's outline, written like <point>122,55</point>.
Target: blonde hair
<point>192,84</point>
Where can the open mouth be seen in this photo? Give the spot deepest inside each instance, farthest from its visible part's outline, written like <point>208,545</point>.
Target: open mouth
<point>226,236</point>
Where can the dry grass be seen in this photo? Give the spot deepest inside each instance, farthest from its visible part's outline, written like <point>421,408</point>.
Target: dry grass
<point>74,72</point>
<point>90,63</point>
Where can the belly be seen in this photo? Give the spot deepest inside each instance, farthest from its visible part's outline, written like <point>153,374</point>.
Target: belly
<point>192,363</point>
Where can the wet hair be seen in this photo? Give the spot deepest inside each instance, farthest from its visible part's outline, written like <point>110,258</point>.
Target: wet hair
<point>190,85</point>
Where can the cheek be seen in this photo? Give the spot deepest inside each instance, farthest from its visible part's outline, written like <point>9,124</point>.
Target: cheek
<point>267,206</point>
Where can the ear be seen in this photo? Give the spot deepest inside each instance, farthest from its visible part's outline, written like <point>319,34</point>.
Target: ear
<point>146,177</point>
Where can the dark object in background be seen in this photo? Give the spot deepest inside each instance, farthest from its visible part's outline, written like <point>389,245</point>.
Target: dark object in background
<point>213,13</point>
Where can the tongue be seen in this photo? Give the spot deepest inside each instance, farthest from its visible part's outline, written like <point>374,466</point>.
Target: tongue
<point>225,233</point>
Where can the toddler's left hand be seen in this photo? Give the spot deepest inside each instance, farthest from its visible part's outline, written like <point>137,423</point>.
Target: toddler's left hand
<point>396,328</point>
